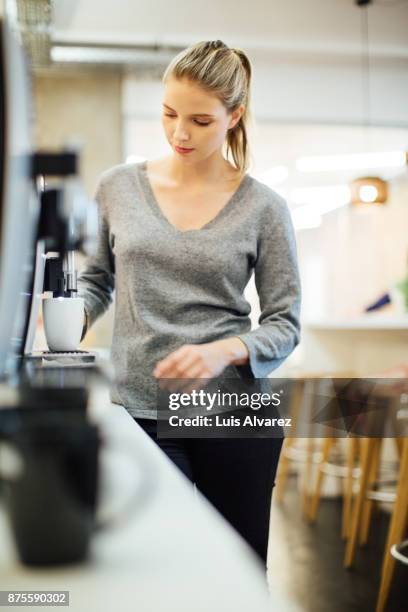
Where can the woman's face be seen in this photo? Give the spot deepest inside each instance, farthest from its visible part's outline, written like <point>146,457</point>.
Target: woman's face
<point>195,121</point>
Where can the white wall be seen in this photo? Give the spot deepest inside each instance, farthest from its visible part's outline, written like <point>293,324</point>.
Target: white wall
<point>325,91</point>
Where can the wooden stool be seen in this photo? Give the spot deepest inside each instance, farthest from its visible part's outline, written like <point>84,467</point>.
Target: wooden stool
<point>348,472</point>
<point>306,393</point>
<point>370,447</point>
<point>374,493</point>
<point>361,514</point>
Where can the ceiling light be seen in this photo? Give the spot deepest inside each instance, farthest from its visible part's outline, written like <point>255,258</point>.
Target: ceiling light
<point>368,193</point>
<point>93,54</point>
<point>369,190</point>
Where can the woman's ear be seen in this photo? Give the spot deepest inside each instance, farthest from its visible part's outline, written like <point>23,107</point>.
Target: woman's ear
<point>236,116</point>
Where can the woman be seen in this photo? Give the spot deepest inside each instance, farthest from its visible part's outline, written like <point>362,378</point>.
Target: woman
<point>179,239</point>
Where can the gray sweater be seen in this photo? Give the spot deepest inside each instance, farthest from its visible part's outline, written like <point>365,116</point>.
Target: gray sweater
<point>176,287</point>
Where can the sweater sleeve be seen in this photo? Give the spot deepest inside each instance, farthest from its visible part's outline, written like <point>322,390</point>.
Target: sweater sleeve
<point>96,282</point>
<point>278,285</point>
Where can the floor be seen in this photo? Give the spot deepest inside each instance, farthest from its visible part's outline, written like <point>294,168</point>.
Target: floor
<point>306,562</point>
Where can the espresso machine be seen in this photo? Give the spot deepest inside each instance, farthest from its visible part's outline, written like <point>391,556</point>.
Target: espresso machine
<point>67,223</point>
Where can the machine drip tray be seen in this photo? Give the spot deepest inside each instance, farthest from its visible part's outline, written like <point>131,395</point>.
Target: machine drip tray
<point>63,358</point>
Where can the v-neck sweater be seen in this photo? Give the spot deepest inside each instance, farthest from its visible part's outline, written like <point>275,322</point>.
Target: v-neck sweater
<point>175,287</point>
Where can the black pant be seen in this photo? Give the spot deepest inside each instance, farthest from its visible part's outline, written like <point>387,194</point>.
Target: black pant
<point>235,474</point>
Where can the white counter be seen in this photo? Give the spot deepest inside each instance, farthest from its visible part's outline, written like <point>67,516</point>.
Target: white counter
<point>177,555</point>
<point>369,322</point>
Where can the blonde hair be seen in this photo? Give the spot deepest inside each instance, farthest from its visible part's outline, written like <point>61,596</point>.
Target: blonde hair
<point>225,72</point>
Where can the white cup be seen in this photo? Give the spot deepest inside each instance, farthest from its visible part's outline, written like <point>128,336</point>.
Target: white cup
<point>63,322</point>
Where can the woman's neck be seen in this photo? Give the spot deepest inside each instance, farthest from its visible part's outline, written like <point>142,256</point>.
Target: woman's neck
<point>210,170</point>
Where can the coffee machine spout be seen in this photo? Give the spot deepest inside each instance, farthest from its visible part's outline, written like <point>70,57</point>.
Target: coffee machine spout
<point>70,274</point>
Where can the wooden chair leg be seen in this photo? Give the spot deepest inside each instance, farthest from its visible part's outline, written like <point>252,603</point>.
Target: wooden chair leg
<point>396,529</point>
<point>369,503</point>
<point>307,407</point>
<point>348,487</point>
<point>366,458</point>
<point>314,504</point>
<point>399,443</point>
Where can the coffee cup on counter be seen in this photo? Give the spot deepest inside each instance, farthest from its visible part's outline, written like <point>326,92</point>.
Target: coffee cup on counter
<point>52,472</point>
<point>63,322</point>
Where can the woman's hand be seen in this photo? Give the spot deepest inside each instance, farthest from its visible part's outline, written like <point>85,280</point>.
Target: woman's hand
<point>195,361</point>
